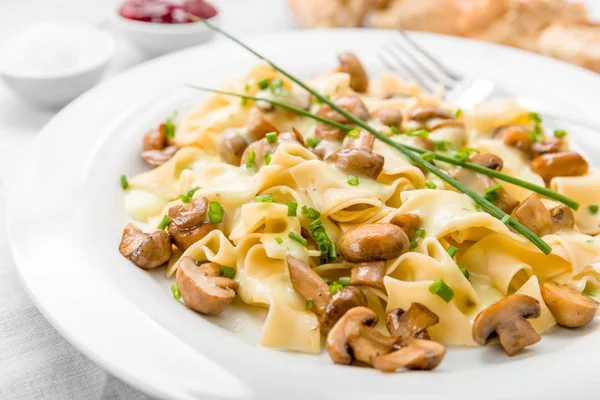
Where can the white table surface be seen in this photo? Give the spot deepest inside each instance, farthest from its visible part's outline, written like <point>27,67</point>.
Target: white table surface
<point>35,361</point>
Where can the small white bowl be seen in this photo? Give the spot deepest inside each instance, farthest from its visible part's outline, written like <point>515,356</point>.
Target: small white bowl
<point>54,90</point>
<point>156,39</point>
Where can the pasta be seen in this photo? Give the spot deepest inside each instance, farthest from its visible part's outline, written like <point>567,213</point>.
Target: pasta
<point>288,213</point>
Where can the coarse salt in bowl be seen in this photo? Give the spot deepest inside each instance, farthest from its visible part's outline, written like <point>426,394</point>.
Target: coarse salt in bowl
<point>50,64</point>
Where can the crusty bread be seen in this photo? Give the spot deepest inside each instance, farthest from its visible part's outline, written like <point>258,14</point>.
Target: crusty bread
<point>331,13</point>
<point>577,44</point>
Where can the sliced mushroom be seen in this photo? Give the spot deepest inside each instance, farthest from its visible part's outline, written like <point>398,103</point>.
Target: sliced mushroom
<point>488,160</point>
<point>155,139</point>
<point>353,337</point>
<point>146,250</point>
<point>188,223</point>
<point>258,127</point>
<point>368,274</point>
<point>412,323</point>
<point>533,214</point>
<point>549,145</point>
<point>413,354</point>
<point>425,113</point>
<point>480,182</point>
<point>202,289</point>
<point>364,141</point>
<point>309,284</point>
<point>260,148</point>
<point>516,136</point>
<point>373,242</point>
<point>343,300</point>
<point>230,146</point>
<point>293,136</point>
<point>156,158</point>
<point>389,117</point>
<point>507,319</point>
<point>438,123</point>
<point>352,104</point>
<point>350,64</point>
<point>569,307</point>
<point>358,162</point>
<point>567,163</point>
<point>563,218</point>
<point>408,222</point>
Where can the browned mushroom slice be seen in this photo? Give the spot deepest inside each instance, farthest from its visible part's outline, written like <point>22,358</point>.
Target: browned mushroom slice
<point>563,218</point>
<point>188,223</point>
<point>425,113</point>
<point>533,214</point>
<point>413,354</point>
<point>260,149</point>
<point>408,222</point>
<point>412,323</point>
<point>389,117</point>
<point>549,145</point>
<point>155,139</point>
<point>480,182</point>
<point>293,136</point>
<point>146,250</point>
<point>309,284</point>
<point>368,274</point>
<point>567,163</point>
<point>373,242</point>
<point>202,289</point>
<point>569,307</point>
<point>437,123</point>
<point>343,300</point>
<point>488,160</point>
<point>516,136</point>
<point>364,141</point>
<point>352,104</point>
<point>156,158</point>
<point>353,337</point>
<point>258,127</point>
<point>350,64</point>
<point>230,146</point>
<point>358,162</point>
<point>507,319</point>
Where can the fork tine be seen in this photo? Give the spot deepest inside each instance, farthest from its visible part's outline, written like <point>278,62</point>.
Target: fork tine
<point>415,74</point>
<point>425,67</point>
<point>405,72</point>
<point>451,75</point>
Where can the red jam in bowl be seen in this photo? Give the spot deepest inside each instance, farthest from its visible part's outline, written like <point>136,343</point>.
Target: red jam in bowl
<point>166,11</point>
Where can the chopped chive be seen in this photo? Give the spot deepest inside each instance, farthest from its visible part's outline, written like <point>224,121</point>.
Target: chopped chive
<point>175,291</point>
<point>312,213</point>
<point>464,271</point>
<point>442,145</point>
<point>276,87</point>
<point>535,117</point>
<point>297,238</point>
<point>164,222</point>
<point>278,240</point>
<point>335,287</point>
<point>215,212</point>
<point>440,288</point>
<point>452,251</point>
<point>354,133</point>
<point>430,185</point>
<point>169,128</point>
<point>304,210</point>
<point>559,133</point>
<point>247,87</point>
<point>429,156</point>
<point>244,102</point>
<point>593,209</point>
<point>309,304</point>
<point>124,182</point>
<point>265,198</point>
<point>421,233</point>
<point>353,180</point>
<point>263,83</point>
<point>589,241</point>
<point>327,280</point>
<point>395,130</point>
<point>344,281</point>
<point>251,159</point>
<point>458,113</point>
<point>422,133</point>
<point>477,207</point>
<point>312,142</point>
<point>465,154</point>
<point>227,272</point>
<point>267,158</point>
<point>506,219</point>
<point>292,209</point>
<point>271,137</point>
<point>413,244</point>
<point>188,194</point>
<point>491,193</point>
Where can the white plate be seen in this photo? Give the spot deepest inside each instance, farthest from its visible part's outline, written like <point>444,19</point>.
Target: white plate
<point>66,216</point>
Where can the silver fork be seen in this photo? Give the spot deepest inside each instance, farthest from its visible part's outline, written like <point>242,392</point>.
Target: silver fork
<point>403,55</point>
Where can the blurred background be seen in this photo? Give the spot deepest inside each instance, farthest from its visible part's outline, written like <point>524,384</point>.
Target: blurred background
<point>45,62</point>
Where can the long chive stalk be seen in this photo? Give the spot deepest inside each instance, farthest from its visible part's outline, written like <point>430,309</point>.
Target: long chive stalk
<point>441,157</point>
<point>485,204</point>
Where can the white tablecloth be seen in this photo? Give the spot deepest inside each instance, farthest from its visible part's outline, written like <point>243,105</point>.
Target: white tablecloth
<point>35,361</point>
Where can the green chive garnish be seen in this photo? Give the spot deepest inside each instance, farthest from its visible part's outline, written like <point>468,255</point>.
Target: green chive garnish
<point>422,133</point>
<point>490,193</point>
<point>227,272</point>
<point>265,198</point>
<point>278,240</point>
<point>297,238</point>
<point>354,133</point>
<point>535,117</point>
<point>413,244</point>
<point>312,142</point>
<point>292,209</point>
<point>251,159</point>
<point>440,288</point>
<point>452,251</point>
<point>593,209</point>
<point>312,213</point>
<point>395,130</point>
<point>187,195</point>
<point>421,233</point>
<point>309,304</point>
<point>442,145</point>
<point>335,287</point>
<point>215,212</point>
<point>164,222</point>
<point>458,113</point>
<point>175,291</point>
<point>124,182</point>
<point>464,271</point>
<point>353,180</point>
<point>344,281</point>
<point>271,137</point>
<point>263,84</point>
<point>267,158</point>
<point>506,219</point>
<point>429,156</point>
<point>560,133</point>
<point>430,185</point>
